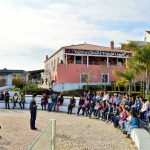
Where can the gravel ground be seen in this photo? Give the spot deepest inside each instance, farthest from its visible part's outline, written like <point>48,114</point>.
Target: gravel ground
<point>73,132</point>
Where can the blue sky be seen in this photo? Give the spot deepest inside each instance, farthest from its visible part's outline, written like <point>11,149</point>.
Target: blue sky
<point>31,29</point>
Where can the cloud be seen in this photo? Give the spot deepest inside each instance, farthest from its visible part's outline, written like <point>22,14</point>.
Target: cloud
<point>30,29</point>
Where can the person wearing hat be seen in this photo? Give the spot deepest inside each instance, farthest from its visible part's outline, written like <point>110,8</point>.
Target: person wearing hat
<point>33,112</point>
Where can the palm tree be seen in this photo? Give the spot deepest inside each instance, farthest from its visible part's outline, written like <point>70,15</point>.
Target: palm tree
<point>126,77</point>
<point>122,83</point>
<point>140,61</point>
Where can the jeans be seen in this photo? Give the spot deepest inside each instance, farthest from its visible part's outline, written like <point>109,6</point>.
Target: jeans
<point>122,124</point>
<point>79,108</point>
<point>51,105</point>
<point>7,104</point>
<point>129,128</point>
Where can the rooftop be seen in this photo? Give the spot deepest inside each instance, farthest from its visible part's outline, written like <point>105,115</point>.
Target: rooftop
<point>148,32</point>
<point>11,71</point>
<point>86,46</point>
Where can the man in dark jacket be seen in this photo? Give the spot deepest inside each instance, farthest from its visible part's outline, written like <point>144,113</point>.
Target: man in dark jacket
<point>92,105</point>
<point>6,97</point>
<point>33,110</point>
<point>81,103</point>
<point>71,105</point>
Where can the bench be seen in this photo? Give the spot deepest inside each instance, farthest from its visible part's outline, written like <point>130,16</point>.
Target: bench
<point>141,138</point>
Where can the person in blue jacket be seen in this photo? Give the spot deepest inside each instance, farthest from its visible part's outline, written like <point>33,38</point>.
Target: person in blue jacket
<point>133,123</point>
<point>138,104</point>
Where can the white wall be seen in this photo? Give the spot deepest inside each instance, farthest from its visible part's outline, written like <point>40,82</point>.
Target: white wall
<point>73,86</point>
<point>147,37</point>
<point>50,71</point>
<point>28,98</point>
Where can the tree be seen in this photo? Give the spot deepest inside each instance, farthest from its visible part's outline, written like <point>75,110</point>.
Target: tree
<point>131,46</point>
<point>126,78</point>
<point>122,83</point>
<point>18,82</point>
<point>140,63</point>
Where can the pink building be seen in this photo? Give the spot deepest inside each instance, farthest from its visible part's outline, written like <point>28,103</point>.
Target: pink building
<point>73,66</point>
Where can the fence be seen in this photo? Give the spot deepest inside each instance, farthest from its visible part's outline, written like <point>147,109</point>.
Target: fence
<point>47,139</point>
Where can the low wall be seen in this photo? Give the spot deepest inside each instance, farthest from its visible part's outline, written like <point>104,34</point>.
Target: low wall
<point>28,98</point>
<point>141,138</point>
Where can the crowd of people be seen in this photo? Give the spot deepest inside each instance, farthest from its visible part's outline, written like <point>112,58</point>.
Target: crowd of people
<point>17,98</point>
<point>123,111</point>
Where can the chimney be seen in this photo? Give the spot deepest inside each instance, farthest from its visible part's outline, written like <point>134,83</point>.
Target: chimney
<point>112,45</point>
<point>46,57</point>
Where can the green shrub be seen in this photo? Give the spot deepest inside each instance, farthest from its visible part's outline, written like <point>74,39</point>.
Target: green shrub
<point>148,96</point>
<point>31,88</point>
<point>18,82</point>
<point>76,93</point>
<point>80,92</point>
<point>15,89</point>
<point>97,87</point>
<point>2,82</point>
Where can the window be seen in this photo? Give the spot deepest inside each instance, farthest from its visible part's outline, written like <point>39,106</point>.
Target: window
<point>84,78</point>
<point>105,78</point>
<point>78,60</point>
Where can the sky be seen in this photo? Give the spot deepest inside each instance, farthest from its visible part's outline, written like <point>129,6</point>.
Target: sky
<point>31,29</point>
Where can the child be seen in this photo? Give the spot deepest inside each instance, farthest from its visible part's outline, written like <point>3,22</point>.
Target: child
<point>60,101</point>
<point>97,109</point>
<point>122,121</point>
<point>133,123</point>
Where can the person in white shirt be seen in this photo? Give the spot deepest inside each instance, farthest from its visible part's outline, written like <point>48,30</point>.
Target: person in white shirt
<point>15,99</point>
<point>143,109</point>
<point>106,96</point>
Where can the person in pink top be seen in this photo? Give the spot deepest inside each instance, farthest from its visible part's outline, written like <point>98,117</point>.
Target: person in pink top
<point>123,117</point>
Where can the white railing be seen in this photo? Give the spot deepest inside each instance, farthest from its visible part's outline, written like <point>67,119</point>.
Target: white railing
<point>47,139</point>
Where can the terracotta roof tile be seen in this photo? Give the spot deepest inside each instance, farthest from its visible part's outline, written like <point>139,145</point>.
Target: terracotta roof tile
<point>90,47</point>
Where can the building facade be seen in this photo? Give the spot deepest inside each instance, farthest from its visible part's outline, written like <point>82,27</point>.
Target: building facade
<point>147,36</point>
<point>6,76</point>
<point>76,65</point>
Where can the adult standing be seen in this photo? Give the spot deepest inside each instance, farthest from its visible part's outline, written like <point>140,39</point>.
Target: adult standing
<point>71,105</point>
<point>2,96</point>
<point>6,97</point>
<point>33,112</point>
<point>15,99</point>
<point>22,98</point>
<point>81,103</point>
<point>44,101</point>
<point>53,102</point>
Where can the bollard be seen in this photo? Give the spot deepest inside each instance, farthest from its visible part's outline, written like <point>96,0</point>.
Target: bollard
<point>53,131</point>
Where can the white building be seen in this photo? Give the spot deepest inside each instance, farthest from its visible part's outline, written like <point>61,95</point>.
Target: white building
<point>147,36</point>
